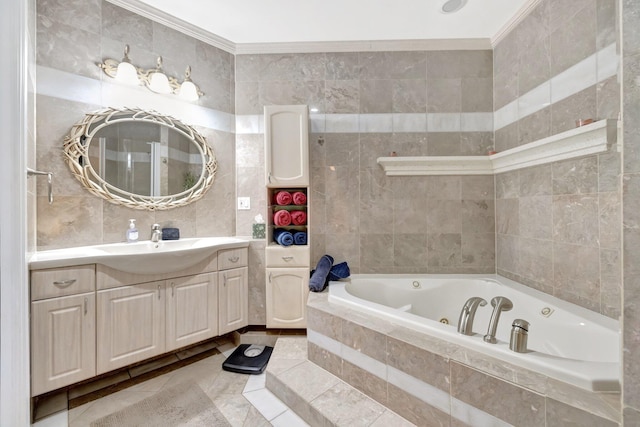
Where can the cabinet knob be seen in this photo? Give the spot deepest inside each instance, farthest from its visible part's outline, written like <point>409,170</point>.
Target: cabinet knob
<point>158,291</point>
<point>287,258</point>
<point>234,258</point>
<point>86,301</point>
<point>64,283</point>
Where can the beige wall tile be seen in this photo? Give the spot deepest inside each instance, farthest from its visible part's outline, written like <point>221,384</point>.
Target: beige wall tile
<point>496,397</point>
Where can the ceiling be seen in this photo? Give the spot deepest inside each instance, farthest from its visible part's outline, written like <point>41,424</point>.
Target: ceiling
<point>241,22</point>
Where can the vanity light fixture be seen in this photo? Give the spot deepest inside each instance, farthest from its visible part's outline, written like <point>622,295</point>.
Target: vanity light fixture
<point>126,72</point>
<point>154,79</point>
<point>158,80</point>
<point>188,90</point>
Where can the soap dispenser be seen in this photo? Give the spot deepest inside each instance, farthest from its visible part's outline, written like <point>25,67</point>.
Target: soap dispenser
<point>132,231</point>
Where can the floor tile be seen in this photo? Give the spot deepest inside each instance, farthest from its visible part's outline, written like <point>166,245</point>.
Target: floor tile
<point>255,382</point>
<point>289,419</point>
<point>265,402</point>
<point>234,407</point>
<point>61,419</point>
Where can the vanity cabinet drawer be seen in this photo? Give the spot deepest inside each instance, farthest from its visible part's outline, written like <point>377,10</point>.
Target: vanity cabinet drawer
<point>287,257</point>
<point>56,282</point>
<point>232,258</point>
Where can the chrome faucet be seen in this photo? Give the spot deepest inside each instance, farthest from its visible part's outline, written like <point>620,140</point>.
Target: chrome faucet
<point>156,233</point>
<point>468,312</point>
<point>499,304</point>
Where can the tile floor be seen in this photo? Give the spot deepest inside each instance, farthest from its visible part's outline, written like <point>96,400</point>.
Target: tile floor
<point>242,399</point>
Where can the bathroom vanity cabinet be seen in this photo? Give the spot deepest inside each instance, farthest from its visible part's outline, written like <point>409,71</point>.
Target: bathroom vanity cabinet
<point>63,338</point>
<point>91,319</point>
<point>287,169</point>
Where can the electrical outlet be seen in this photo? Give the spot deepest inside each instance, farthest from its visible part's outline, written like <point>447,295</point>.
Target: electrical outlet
<point>244,203</point>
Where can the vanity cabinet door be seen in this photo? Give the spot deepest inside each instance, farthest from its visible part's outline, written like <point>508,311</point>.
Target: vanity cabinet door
<point>234,299</point>
<point>130,324</point>
<point>286,145</point>
<point>192,310</point>
<point>63,342</point>
<point>287,292</point>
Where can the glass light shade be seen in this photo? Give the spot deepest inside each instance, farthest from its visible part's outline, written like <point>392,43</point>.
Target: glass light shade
<point>159,82</point>
<point>127,73</point>
<point>188,91</point>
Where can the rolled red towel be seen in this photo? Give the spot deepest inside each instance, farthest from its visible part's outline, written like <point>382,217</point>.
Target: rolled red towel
<point>282,218</point>
<point>298,218</point>
<point>299,198</point>
<point>283,198</point>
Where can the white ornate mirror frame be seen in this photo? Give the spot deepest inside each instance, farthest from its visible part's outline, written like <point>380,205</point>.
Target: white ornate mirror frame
<point>76,151</point>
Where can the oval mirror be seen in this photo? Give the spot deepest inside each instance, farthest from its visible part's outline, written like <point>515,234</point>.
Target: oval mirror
<point>140,159</point>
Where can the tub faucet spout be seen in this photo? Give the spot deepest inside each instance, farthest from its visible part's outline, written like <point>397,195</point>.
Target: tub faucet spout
<point>499,304</point>
<point>468,312</point>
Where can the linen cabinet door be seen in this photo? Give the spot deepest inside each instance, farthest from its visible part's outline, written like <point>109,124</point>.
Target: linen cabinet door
<point>192,310</point>
<point>234,299</point>
<point>286,145</point>
<point>287,292</point>
<point>63,342</point>
<point>130,324</point>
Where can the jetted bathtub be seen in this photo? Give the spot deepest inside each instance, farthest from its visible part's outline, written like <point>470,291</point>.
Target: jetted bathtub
<point>565,341</point>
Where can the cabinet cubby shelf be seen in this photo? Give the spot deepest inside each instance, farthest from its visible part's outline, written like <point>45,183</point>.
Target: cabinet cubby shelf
<point>590,139</point>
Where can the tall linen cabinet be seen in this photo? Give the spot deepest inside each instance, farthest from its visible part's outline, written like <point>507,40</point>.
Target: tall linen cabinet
<point>287,170</point>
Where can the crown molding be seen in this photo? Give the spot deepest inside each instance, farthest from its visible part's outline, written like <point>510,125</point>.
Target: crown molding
<point>514,21</point>
<point>364,46</point>
<point>143,9</point>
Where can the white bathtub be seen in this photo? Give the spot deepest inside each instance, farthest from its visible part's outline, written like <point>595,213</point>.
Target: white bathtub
<point>572,344</point>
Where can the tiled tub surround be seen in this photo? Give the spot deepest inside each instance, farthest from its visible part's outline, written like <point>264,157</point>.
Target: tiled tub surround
<point>558,230</point>
<point>430,381</point>
<point>558,225</point>
<point>364,105</point>
<point>557,65</point>
<point>570,344</point>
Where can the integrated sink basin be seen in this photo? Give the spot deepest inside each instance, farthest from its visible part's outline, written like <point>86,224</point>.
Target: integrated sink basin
<point>144,257</point>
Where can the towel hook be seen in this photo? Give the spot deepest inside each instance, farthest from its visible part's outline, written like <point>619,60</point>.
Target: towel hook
<point>32,172</point>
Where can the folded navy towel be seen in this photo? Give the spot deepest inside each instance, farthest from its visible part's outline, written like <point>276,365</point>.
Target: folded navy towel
<point>283,237</point>
<point>300,238</point>
<point>318,280</point>
<point>339,271</point>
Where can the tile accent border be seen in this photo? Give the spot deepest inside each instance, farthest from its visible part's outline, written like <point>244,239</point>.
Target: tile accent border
<point>594,138</point>
<point>381,123</point>
<point>56,84</point>
<point>592,70</point>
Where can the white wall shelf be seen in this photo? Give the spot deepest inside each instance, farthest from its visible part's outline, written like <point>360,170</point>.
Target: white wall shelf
<point>590,139</point>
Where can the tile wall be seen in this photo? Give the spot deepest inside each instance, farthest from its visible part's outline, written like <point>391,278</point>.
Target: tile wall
<point>365,105</point>
<point>630,218</point>
<point>72,36</point>
<point>558,225</point>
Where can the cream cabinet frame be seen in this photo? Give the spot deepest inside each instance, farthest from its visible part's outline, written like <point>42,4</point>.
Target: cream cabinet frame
<point>78,331</point>
<point>287,169</point>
